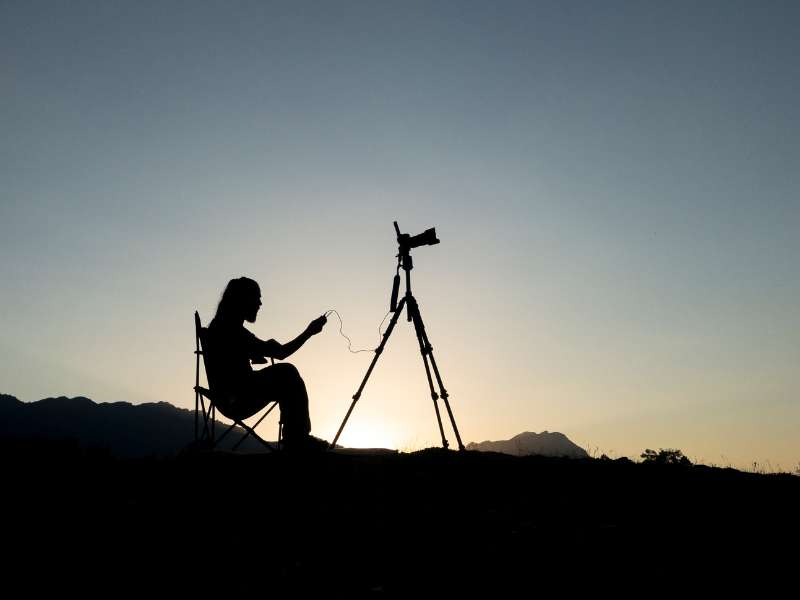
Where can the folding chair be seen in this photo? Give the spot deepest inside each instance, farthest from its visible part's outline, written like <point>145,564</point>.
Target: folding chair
<point>207,435</point>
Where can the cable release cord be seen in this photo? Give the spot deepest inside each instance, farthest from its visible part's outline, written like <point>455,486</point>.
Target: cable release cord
<point>350,343</point>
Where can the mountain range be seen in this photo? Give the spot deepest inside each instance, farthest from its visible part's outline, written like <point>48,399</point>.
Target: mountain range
<point>161,429</point>
<point>121,428</point>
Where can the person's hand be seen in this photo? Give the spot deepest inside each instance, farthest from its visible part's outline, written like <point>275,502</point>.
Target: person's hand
<point>316,325</point>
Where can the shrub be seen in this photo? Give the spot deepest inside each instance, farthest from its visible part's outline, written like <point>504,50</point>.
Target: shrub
<point>665,456</point>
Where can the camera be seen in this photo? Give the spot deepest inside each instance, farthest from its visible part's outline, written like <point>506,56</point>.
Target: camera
<point>407,242</point>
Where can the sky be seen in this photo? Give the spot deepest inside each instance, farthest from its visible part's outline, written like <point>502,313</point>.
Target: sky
<point>616,188</point>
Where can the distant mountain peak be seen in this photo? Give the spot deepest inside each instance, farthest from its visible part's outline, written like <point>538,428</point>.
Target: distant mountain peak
<point>527,443</point>
<point>76,401</point>
<point>8,400</point>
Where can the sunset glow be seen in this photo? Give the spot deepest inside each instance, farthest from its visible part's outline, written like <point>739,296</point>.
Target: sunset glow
<point>374,434</point>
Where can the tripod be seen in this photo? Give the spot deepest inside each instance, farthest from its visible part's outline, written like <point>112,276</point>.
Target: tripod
<point>410,303</point>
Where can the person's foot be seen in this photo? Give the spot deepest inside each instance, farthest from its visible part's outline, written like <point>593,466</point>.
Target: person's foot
<point>305,444</point>
<point>316,444</point>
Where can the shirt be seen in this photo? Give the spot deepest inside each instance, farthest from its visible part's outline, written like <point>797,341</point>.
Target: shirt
<point>228,348</point>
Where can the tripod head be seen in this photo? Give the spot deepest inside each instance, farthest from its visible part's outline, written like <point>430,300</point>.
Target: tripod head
<point>405,243</point>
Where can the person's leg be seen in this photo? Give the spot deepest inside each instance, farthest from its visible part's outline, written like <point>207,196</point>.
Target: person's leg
<point>282,382</point>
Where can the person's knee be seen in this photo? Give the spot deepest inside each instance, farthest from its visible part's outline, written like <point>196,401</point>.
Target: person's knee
<point>288,370</point>
<point>287,367</point>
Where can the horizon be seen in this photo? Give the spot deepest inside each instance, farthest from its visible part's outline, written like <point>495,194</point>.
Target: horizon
<point>615,189</point>
<point>594,453</point>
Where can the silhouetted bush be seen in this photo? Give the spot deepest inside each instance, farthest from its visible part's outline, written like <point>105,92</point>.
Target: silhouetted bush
<point>665,456</point>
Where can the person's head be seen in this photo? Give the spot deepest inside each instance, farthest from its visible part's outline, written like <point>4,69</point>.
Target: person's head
<point>240,300</point>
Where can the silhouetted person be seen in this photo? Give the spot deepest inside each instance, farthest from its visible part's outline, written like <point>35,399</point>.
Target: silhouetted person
<point>241,391</point>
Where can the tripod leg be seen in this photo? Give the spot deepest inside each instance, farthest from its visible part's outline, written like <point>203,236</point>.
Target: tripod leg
<point>444,395</point>
<point>425,349</point>
<point>378,352</point>
<point>427,352</point>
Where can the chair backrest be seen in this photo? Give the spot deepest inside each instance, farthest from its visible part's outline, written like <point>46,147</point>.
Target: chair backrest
<point>201,342</point>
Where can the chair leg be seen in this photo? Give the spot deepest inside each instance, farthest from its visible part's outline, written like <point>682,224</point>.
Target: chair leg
<point>207,434</point>
<point>227,431</point>
<point>266,414</point>
<point>254,434</point>
<point>213,425</point>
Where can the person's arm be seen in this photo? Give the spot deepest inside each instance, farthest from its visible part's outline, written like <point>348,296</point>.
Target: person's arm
<point>289,348</point>
<point>267,348</point>
<point>283,351</point>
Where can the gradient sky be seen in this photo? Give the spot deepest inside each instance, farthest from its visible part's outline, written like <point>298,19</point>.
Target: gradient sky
<point>616,186</point>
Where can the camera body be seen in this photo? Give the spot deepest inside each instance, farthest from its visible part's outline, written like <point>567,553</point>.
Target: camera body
<point>408,242</point>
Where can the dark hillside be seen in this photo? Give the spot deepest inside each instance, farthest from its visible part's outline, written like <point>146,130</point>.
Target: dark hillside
<point>154,429</point>
<point>429,522</point>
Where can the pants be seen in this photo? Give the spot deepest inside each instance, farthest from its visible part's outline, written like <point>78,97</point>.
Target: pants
<point>281,382</point>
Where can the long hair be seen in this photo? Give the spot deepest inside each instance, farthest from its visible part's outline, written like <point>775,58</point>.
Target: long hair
<point>236,293</point>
